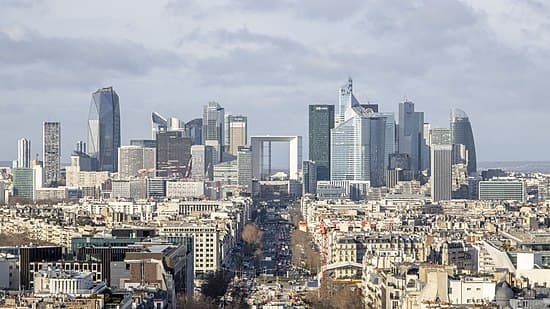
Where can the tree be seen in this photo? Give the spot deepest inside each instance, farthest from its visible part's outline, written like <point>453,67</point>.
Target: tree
<point>195,302</point>
<point>252,235</point>
<point>215,284</point>
<point>303,250</point>
<point>333,295</point>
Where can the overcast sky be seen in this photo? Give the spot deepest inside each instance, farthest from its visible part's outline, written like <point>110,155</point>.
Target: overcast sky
<point>270,59</point>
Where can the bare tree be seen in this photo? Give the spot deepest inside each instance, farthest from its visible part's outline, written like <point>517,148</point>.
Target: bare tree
<point>195,302</point>
<point>303,250</point>
<point>252,235</point>
<point>333,295</point>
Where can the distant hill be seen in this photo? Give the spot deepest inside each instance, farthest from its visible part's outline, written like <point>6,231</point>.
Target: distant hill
<point>5,163</point>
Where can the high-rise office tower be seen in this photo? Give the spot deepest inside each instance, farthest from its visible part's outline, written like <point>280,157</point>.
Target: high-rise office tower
<point>51,152</point>
<point>236,133</point>
<point>173,154</point>
<point>26,181</point>
<point>462,134</point>
<point>202,167</point>
<point>310,177</point>
<point>244,167</point>
<point>158,124</point>
<point>358,150</point>
<point>213,128</point>
<point>346,103</point>
<point>411,134</point>
<point>161,124</point>
<point>23,183</point>
<point>441,167</point>
<point>426,146</point>
<point>136,161</point>
<point>358,141</point>
<point>23,153</point>
<point>321,121</point>
<point>389,136</point>
<point>193,129</point>
<point>104,129</point>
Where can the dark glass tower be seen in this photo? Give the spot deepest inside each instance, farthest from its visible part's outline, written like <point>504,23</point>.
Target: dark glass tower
<point>462,134</point>
<point>411,134</point>
<point>173,154</point>
<point>104,129</point>
<point>321,121</point>
<point>194,130</point>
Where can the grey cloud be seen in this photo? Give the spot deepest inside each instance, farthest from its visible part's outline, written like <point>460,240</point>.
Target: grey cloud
<point>318,10</point>
<point>324,10</point>
<point>244,35</point>
<point>251,58</point>
<point>19,4</point>
<point>66,62</point>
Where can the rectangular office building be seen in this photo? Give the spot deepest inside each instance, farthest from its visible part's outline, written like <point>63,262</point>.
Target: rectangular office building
<point>510,190</point>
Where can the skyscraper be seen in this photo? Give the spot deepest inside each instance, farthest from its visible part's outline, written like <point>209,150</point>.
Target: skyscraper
<point>236,133</point>
<point>193,129</point>
<point>244,166</point>
<point>201,162</point>
<point>321,121</point>
<point>358,150</point>
<point>411,134</point>
<point>461,130</point>
<point>346,103</point>
<point>160,124</point>
<point>426,146</point>
<point>23,153</point>
<point>135,161</point>
<point>358,141</point>
<point>173,153</point>
<point>23,183</point>
<point>104,129</point>
<point>52,152</point>
<point>310,177</point>
<point>440,158</point>
<point>213,128</point>
<point>389,136</point>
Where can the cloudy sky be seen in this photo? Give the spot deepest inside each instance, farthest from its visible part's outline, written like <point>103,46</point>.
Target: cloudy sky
<point>270,59</point>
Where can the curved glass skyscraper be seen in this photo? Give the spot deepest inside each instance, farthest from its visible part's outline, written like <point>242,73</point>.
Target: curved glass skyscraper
<point>104,129</point>
<point>462,134</point>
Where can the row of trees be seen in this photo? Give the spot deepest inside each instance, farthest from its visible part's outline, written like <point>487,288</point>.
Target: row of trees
<point>253,241</point>
<point>332,295</point>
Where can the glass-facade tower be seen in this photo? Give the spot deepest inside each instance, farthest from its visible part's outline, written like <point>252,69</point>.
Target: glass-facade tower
<point>461,130</point>
<point>358,150</point>
<point>321,121</point>
<point>213,128</point>
<point>104,129</point>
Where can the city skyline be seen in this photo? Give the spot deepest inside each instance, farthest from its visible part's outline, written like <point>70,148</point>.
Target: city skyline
<point>393,120</point>
<point>451,69</point>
